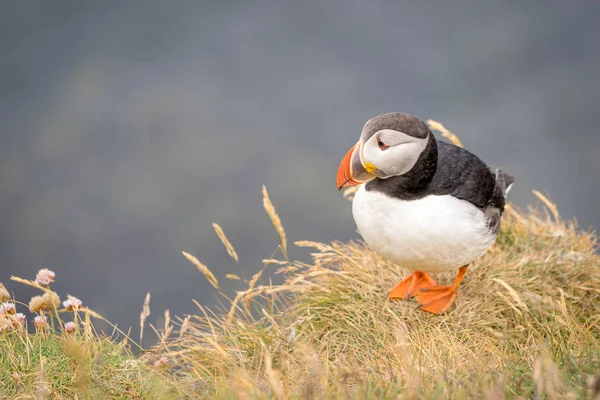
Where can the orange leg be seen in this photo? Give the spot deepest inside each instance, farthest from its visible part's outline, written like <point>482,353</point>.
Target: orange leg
<point>439,299</point>
<point>411,286</point>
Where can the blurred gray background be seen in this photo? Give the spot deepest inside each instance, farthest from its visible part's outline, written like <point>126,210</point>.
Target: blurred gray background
<point>127,128</point>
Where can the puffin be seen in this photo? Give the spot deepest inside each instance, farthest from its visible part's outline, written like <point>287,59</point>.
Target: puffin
<point>424,204</point>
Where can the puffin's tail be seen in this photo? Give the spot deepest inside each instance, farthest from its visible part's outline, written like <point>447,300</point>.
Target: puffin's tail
<point>504,182</point>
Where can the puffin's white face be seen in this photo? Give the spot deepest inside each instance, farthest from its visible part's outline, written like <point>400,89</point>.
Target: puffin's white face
<point>392,153</point>
<point>389,145</point>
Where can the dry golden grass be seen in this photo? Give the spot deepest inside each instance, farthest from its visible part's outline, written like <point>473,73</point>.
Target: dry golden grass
<point>526,323</point>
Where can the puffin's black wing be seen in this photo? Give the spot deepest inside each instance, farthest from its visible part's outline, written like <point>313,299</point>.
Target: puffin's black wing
<point>493,211</point>
<point>464,176</point>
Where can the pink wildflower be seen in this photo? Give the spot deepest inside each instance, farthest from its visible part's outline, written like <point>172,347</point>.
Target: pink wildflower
<point>19,318</point>
<point>72,303</point>
<point>161,362</point>
<point>70,327</point>
<point>8,308</point>
<point>40,321</point>
<point>45,277</point>
<point>5,324</point>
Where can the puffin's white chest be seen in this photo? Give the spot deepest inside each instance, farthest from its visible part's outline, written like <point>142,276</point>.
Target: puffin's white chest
<point>432,234</point>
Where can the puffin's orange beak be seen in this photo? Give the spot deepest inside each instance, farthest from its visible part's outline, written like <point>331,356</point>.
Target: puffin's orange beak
<point>344,174</point>
<point>351,171</point>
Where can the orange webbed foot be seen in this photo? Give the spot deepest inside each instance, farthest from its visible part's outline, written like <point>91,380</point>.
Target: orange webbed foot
<point>438,299</point>
<point>411,286</point>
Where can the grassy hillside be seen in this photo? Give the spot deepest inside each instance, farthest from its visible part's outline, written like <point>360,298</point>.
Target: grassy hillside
<point>526,324</point>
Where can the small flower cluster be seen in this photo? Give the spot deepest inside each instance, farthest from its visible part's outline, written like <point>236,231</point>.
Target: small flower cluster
<point>49,300</point>
<point>161,362</point>
<point>40,322</point>
<point>9,318</point>
<point>20,318</point>
<point>7,308</point>
<point>70,327</point>
<point>72,303</point>
<point>45,277</point>
<point>11,321</point>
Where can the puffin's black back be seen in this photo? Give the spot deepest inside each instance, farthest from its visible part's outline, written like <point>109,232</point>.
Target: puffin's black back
<point>462,175</point>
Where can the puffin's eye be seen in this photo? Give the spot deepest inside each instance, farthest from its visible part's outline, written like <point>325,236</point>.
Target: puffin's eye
<point>381,145</point>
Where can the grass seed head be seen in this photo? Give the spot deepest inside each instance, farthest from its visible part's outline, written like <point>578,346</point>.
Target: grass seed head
<point>551,206</point>
<point>438,126</point>
<point>225,241</point>
<point>202,268</point>
<point>184,326</point>
<point>4,295</point>
<point>270,209</point>
<point>350,192</point>
<point>144,314</point>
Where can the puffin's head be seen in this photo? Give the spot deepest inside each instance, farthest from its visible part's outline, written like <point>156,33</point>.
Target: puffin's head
<point>389,145</point>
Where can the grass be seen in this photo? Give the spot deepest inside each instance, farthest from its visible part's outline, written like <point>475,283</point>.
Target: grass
<point>526,324</point>
<point>51,365</point>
